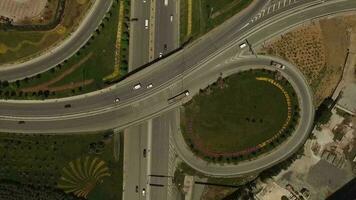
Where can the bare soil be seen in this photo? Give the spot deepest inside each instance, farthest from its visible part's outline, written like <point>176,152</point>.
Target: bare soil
<point>47,85</point>
<point>216,192</point>
<point>318,49</point>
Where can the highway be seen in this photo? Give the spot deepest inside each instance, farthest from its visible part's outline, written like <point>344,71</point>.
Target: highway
<point>164,40</point>
<point>138,55</point>
<point>194,67</point>
<point>168,72</point>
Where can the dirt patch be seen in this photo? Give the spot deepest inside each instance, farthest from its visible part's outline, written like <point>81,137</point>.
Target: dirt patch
<point>21,10</point>
<point>318,49</point>
<point>216,192</point>
<point>71,86</point>
<point>46,85</point>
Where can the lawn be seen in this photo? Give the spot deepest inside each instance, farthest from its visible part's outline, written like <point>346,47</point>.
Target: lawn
<point>38,160</point>
<point>93,62</point>
<point>26,44</point>
<point>206,15</point>
<point>237,113</point>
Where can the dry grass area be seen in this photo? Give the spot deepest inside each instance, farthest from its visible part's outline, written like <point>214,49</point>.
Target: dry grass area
<point>216,192</point>
<point>319,50</point>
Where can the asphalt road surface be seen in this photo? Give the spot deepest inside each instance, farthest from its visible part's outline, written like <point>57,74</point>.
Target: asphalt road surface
<point>165,39</point>
<point>135,170</point>
<point>166,75</point>
<point>280,153</point>
<point>140,11</point>
<point>192,68</point>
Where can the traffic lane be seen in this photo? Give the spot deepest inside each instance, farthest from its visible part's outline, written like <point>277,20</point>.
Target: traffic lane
<point>175,62</point>
<point>125,116</point>
<point>286,149</point>
<point>60,53</point>
<point>160,145</point>
<point>91,103</point>
<point>143,161</point>
<point>165,35</point>
<point>176,65</point>
<point>304,15</point>
<point>132,162</point>
<point>139,42</point>
<point>160,156</point>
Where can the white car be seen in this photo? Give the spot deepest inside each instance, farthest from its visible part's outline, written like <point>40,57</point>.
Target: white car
<point>186,93</point>
<point>149,86</point>
<point>143,192</point>
<point>243,45</point>
<point>117,99</point>
<point>160,54</point>
<point>146,23</point>
<point>137,86</point>
<point>144,1</point>
<point>171,18</point>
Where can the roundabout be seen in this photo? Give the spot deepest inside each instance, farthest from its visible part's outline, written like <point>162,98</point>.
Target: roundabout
<point>241,116</point>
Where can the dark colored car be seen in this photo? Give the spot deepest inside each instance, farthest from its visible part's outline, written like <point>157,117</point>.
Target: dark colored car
<point>144,153</point>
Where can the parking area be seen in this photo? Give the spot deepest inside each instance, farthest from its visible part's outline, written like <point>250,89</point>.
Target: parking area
<point>18,10</point>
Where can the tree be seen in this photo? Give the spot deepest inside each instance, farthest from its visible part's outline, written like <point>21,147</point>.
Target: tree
<point>5,84</point>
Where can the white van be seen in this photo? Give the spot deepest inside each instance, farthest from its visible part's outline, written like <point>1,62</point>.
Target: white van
<point>146,23</point>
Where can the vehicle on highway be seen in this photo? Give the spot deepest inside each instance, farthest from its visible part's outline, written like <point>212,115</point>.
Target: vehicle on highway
<point>21,122</point>
<point>171,18</point>
<point>136,188</point>
<point>67,106</point>
<point>243,45</point>
<point>146,23</point>
<point>279,65</point>
<point>134,19</point>
<point>178,97</point>
<point>165,47</point>
<point>166,2</point>
<point>137,86</point>
<point>117,99</point>
<point>160,54</point>
<point>144,1</point>
<point>149,86</point>
<point>144,153</point>
<point>143,192</point>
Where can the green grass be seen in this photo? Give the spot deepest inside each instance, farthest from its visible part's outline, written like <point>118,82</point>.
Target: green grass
<point>207,14</point>
<point>37,160</point>
<point>244,114</point>
<point>99,65</point>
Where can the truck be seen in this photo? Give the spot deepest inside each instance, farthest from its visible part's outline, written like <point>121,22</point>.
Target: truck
<point>278,65</point>
<point>178,97</point>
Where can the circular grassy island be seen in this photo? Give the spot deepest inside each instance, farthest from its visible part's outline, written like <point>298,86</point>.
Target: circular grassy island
<point>241,116</point>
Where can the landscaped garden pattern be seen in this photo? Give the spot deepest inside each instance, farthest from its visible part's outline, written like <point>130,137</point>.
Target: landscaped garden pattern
<point>200,16</point>
<point>68,166</point>
<point>245,114</point>
<point>85,71</point>
<point>18,45</point>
